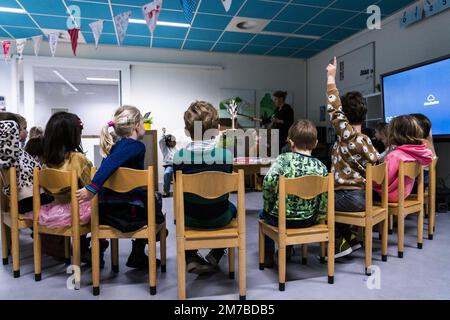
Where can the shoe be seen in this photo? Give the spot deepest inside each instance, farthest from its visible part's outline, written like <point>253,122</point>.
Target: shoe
<point>342,248</point>
<point>214,256</point>
<point>197,265</point>
<point>353,242</point>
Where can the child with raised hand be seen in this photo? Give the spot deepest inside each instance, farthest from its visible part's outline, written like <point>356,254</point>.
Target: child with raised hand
<point>127,212</point>
<point>300,213</point>
<point>352,152</point>
<point>167,144</point>
<point>406,135</point>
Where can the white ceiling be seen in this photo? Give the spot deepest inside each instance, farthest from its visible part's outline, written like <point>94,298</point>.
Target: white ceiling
<point>75,76</point>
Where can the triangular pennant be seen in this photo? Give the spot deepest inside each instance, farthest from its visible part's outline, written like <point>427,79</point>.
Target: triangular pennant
<point>188,9</point>
<point>37,44</point>
<point>53,42</point>
<point>226,4</point>
<point>74,39</point>
<point>6,44</point>
<point>20,46</point>
<point>151,13</point>
<point>97,30</point>
<point>121,22</point>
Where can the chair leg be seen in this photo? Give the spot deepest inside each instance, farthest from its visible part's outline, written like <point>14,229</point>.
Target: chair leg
<point>384,239</point>
<point>115,255</point>
<point>322,252</point>
<point>67,250</point>
<point>231,262</point>
<point>152,263</point>
<point>37,250</point>
<point>76,251</point>
<point>282,267</point>
<point>304,254</point>
<point>15,251</point>
<point>181,262</point>
<point>163,247</point>
<point>401,233</point>
<point>420,229</point>
<point>331,261</point>
<point>95,252</point>
<point>391,223</point>
<point>242,273</point>
<point>368,246</point>
<point>4,243</point>
<point>261,248</point>
<point>431,222</point>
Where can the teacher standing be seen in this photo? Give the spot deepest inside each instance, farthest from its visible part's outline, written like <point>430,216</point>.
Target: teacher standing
<point>282,118</point>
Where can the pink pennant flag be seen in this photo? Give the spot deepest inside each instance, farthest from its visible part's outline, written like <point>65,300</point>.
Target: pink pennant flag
<point>151,13</point>
<point>97,30</point>
<point>6,45</point>
<point>121,23</point>
<point>74,39</point>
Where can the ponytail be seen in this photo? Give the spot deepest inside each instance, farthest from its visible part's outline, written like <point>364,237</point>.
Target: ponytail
<point>106,141</point>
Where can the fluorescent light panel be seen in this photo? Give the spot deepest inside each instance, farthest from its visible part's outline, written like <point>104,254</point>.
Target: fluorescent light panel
<point>65,80</point>
<point>102,79</point>
<point>12,10</point>
<point>162,23</point>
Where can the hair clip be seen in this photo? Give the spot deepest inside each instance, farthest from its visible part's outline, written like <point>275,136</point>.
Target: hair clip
<point>111,124</point>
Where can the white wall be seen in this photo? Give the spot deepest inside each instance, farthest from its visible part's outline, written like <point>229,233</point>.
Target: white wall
<point>7,80</point>
<point>395,48</point>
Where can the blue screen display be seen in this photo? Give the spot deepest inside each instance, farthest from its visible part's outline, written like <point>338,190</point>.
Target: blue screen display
<point>425,90</point>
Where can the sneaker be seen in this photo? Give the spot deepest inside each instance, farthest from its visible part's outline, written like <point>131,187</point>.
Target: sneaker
<point>353,242</point>
<point>197,265</point>
<point>214,256</point>
<point>342,248</point>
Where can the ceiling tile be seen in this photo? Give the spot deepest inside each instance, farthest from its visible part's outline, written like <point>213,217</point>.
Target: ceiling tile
<point>298,14</point>
<point>201,34</point>
<point>284,27</point>
<point>260,9</point>
<point>236,37</point>
<point>332,17</point>
<point>251,49</point>
<point>198,45</point>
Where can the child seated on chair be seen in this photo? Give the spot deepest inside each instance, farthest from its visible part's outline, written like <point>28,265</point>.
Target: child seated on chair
<point>201,155</point>
<point>12,155</point>
<point>167,144</point>
<point>126,212</point>
<point>352,152</point>
<point>300,213</point>
<point>406,135</point>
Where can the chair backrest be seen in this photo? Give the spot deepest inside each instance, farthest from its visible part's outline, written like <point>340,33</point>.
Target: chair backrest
<point>10,204</point>
<point>377,174</point>
<point>306,187</point>
<point>125,180</point>
<point>209,185</point>
<point>54,181</point>
<point>432,181</point>
<point>411,170</point>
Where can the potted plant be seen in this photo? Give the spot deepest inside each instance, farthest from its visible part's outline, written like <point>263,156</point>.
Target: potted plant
<point>148,123</point>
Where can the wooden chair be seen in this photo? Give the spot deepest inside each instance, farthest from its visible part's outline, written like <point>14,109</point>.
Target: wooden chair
<point>54,181</point>
<point>12,220</point>
<point>124,180</point>
<point>307,187</point>
<point>211,185</point>
<point>374,214</point>
<point>405,207</point>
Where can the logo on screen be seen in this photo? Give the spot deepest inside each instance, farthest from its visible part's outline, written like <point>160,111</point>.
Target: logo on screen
<point>431,101</point>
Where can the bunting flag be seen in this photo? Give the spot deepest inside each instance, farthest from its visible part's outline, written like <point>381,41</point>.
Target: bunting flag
<point>6,44</point>
<point>74,39</point>
<point>188,9</point>
<point>226,4</point>
<point>121,22</point>
<point>20,46</point>
<point>151,13</point>
<point>97,30</point>
<point>53,42</point>
<point>37,44</point>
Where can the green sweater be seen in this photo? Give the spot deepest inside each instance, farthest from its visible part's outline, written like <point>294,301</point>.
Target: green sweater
<point>294,165</point>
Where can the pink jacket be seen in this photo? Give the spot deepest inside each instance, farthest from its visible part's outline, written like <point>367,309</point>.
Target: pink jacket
<point>405,153</point>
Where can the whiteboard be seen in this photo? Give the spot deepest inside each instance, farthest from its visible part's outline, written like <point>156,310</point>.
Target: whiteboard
<point>356,70</point>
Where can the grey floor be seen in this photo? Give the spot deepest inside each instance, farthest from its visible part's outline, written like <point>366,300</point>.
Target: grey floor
<point>422,274</point>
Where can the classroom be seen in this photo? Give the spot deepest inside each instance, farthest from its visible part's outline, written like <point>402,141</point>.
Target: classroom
<point>224,150</point>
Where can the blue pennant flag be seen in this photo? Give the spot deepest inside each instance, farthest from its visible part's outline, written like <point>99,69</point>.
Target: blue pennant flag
<point>188,8</point>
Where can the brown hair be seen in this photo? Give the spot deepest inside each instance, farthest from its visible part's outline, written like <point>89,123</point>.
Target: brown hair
<point>36,132</point>
<point>201,111</point>
<point>280,94</point>
<point>354,107</point>
<point>303,134</point>
<point>405,130</point>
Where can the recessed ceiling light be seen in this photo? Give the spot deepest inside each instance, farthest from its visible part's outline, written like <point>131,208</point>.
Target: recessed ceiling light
<point>102,79</point>
<point>162,23</point>
<point>247,25</point>
<point>12,10</point>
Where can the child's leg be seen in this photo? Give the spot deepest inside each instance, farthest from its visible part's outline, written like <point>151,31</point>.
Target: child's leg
<point>168,174</point>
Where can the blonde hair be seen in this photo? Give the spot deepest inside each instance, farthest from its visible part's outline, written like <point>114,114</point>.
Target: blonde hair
<point>123,124</point>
